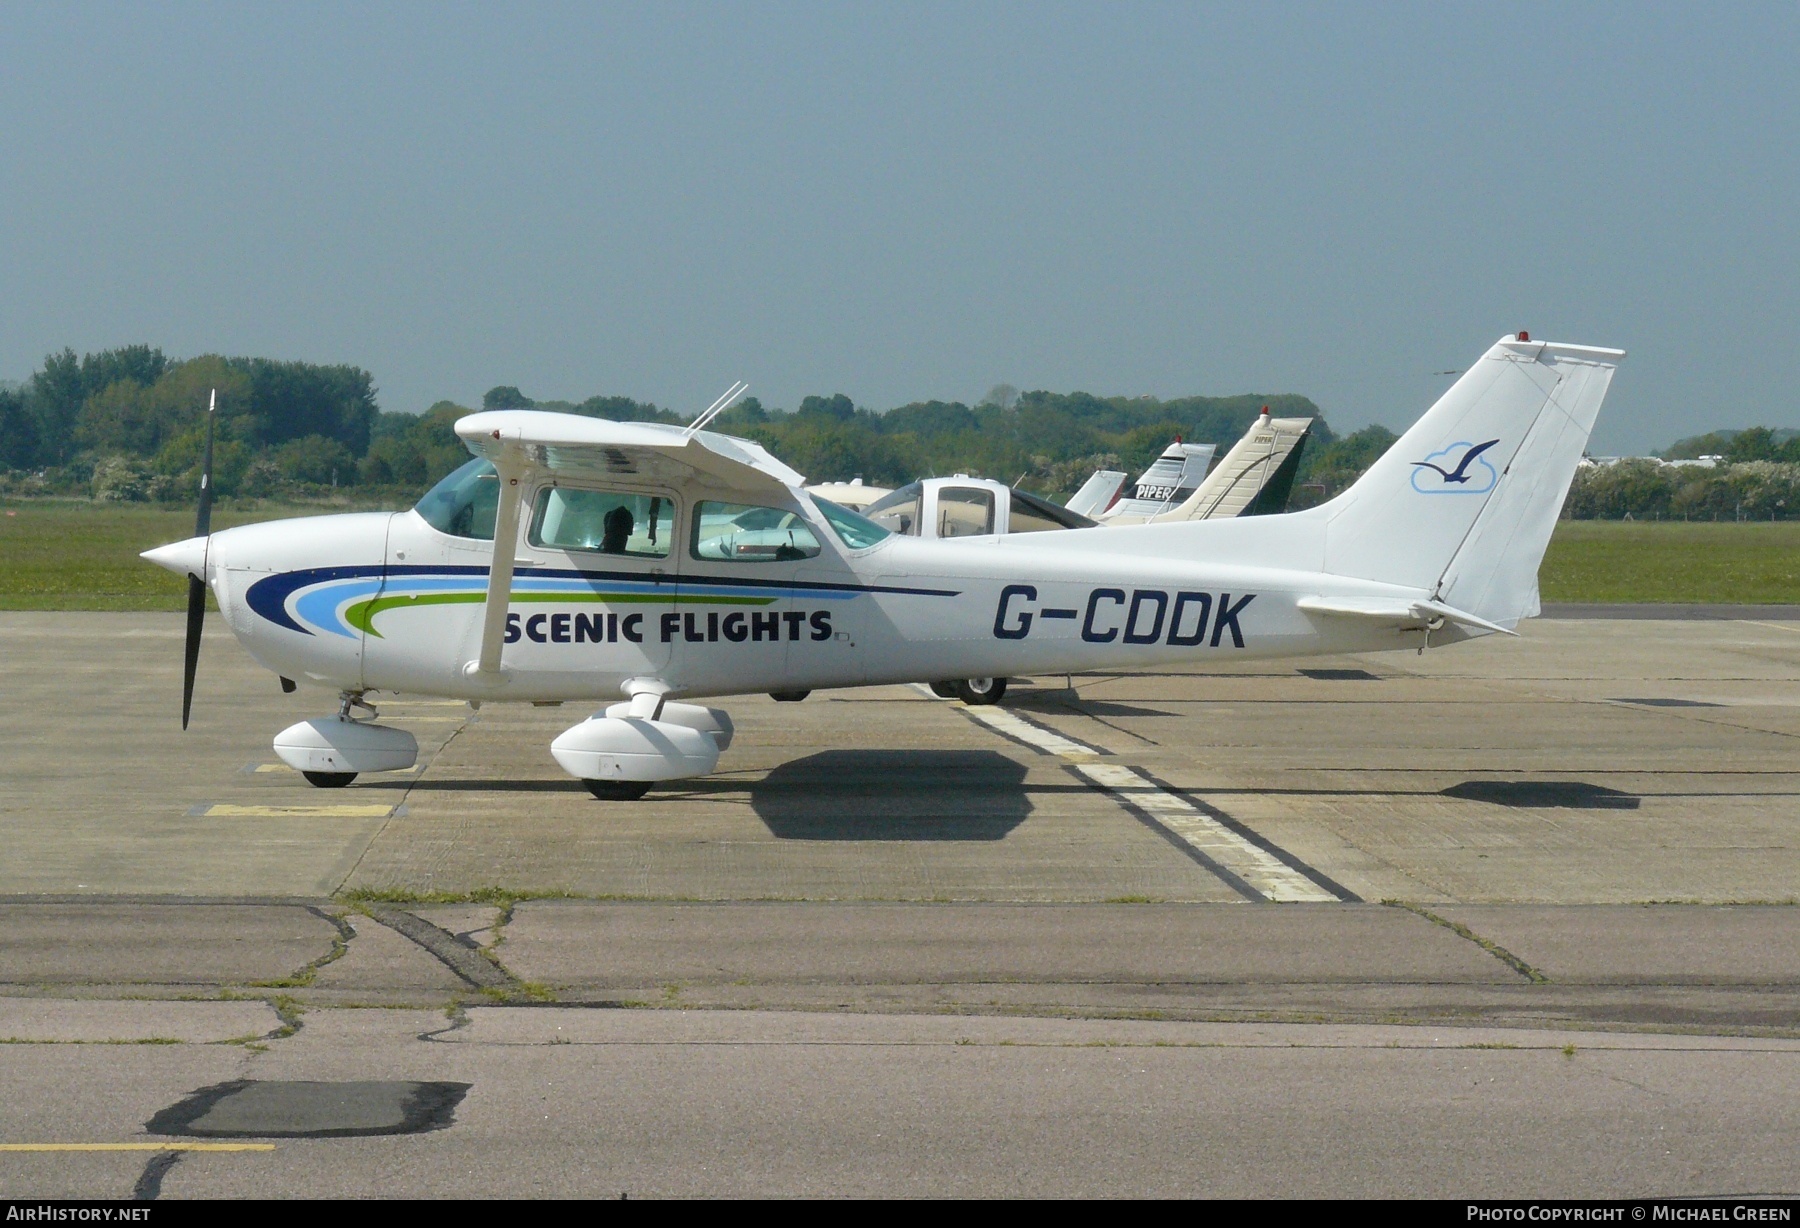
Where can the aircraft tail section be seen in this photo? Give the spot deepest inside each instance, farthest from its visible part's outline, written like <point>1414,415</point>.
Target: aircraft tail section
<point>1464,503</point>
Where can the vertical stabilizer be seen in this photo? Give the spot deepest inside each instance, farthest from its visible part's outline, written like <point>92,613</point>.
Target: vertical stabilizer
<point>1466,499</point>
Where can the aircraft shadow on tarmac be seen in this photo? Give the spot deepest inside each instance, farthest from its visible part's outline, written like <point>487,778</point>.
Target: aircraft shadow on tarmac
<point>1540,794</point>
<point>1058,701</point>
<point>893,795</point>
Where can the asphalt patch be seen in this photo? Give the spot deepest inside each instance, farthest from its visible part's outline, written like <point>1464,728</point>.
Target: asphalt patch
<point>1544,794</point>
<point>1341,675</point>
<point>271,1108</point>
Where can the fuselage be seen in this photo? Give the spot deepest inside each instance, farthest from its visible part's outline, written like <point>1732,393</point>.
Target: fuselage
<point>390,602</point>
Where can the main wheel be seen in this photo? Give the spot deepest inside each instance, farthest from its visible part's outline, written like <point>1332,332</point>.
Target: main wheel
<point>328,780</point>
<point>618,790</point>
<point>788,697</point>
<point>944,690</point>
<point>979,690</point>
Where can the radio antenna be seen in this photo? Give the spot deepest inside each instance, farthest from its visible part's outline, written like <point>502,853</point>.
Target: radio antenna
<point>718,407</point>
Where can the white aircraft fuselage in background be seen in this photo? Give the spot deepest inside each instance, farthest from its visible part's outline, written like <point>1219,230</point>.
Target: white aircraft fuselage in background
<point>734,580</point>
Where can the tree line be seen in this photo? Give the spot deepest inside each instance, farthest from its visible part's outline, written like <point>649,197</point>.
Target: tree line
<point>128,425</point>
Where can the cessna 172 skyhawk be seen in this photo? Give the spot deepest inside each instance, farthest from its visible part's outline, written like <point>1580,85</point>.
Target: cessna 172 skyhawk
<point>582,559</point>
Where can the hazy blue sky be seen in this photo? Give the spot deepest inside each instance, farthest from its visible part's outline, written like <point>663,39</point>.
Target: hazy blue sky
<point>912,201</point>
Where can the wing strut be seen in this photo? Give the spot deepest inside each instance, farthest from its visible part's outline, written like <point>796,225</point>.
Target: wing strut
<point>500,572</point>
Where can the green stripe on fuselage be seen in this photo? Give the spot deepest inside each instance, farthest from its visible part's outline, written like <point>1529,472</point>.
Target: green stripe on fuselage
<point>362,614</point>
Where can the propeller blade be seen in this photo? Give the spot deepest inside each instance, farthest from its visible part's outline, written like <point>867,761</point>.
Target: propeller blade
<point>203,517</point>
<point>196,619</point>
<point>196,605</point>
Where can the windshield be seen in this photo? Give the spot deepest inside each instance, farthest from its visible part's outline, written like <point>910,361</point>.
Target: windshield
<point>898,512</point>
<point>1030,514</point>
<point>856,532</point>
<point>464,504</point>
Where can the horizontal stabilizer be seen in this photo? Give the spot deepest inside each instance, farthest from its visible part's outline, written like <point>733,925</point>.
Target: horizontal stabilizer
<point>1397,611</point>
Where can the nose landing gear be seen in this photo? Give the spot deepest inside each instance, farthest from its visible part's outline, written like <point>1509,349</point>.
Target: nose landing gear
<point>333,751</point>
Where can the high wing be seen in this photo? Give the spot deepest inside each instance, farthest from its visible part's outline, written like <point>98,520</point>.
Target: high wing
<point>534,439</point>
<point>521,442</point>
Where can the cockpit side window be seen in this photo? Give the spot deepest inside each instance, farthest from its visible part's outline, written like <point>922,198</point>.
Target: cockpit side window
<point>742,533</point>
<point>607,521</point>
<point>965,511</point>
<point>465,503</point>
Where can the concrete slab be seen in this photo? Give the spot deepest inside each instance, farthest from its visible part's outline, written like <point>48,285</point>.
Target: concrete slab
<point>116,943</point>
<point>936,808</point>
<point>102,792</point>
<point>1670,945</point>
<point>65,1021</point>
<point>632,946</point>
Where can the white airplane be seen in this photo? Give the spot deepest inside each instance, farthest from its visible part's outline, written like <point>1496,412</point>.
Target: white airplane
<point>579,559</point>
<point>1255,478</point>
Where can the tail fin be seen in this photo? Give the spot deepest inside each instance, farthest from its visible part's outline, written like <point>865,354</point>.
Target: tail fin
<point>1464,503</point>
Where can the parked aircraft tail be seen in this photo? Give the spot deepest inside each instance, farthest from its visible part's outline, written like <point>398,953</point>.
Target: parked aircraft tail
<point>1463,504</point>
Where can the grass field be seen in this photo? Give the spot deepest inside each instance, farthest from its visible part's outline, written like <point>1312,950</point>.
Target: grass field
<point>73,555</point>
<point>1626,561</point>
<point>70,555</point>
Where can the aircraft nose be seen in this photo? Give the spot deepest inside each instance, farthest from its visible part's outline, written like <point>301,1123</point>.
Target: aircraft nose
<point>184,558</point>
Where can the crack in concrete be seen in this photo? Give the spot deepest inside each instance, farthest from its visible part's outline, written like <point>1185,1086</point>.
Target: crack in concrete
<point>1487,944</point>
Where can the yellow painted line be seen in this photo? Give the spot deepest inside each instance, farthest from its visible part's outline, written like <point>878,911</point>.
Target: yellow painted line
<point>137,1146</point>
<point>295,812</point>
<point>273,767</point>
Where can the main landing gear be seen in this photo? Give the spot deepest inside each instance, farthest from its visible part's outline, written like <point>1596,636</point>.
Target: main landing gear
<point>619,753</point>
<point>972,691</point>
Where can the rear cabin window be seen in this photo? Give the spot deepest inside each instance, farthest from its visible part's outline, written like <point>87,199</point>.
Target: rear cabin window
<point>743,533</point>
<point>606,521</point>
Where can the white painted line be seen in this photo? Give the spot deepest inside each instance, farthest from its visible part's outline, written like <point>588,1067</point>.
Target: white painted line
<point>1033,735</point>
<point>1260,869</point>
<point>226,811</point>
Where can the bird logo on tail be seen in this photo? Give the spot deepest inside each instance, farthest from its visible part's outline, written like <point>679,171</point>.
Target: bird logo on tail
<point>1472,475</point>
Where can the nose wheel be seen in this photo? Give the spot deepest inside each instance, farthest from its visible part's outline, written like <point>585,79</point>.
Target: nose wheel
<point>328,780</point>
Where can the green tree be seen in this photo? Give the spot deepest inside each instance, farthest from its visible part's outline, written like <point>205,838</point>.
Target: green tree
<point>18,431</point>
<point>837,407</point>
